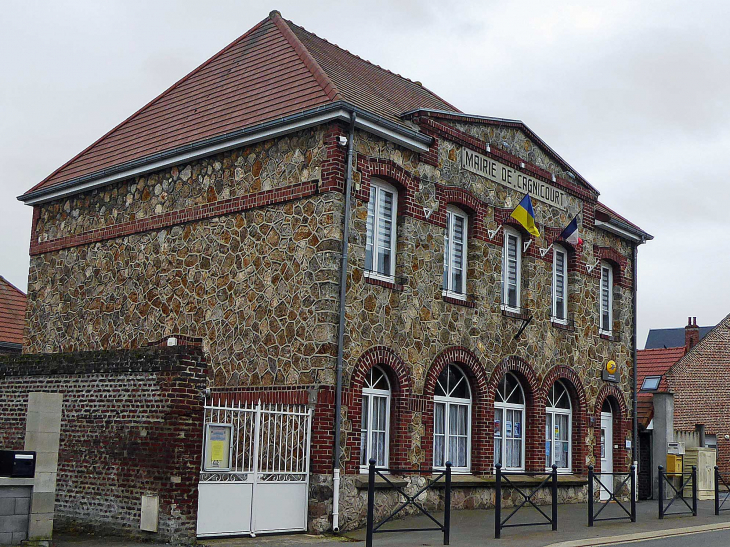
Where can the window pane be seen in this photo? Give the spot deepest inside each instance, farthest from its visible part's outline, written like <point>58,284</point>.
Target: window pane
<point>463,419</point>
<point>384,231</point>
<point>438,451</point>
<point>364,431</point>
<point>457,258</point>
<point>446,255</point>
<point>438,419</point>
<point>379,409</point>
<point>370,229</point>
<point>379,441</point>
<point>438,427</point>
<point>548,440</point>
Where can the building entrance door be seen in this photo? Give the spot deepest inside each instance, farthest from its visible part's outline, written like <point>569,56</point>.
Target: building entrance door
<point>606,452</point>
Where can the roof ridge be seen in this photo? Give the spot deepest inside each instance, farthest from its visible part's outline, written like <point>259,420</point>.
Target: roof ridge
<point>661,349</point>
<point>414,82</point>
<point>328,86</point>
<point>13,286</point>
<point>139,111</point>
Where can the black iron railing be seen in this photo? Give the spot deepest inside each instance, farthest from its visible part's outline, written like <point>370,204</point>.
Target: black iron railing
<point>549,478</point>
<point>722,491</point>
<point>375,528</point>
<point>612,491</point>
<point>677,494</point>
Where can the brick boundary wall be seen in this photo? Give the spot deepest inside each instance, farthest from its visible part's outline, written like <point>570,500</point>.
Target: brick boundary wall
<point>131,425</point>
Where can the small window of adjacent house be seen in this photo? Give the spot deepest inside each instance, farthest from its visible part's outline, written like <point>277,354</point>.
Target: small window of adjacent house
<point>381,238</point>
<point>511,269</point>
<point>560,285</point>
<point>455,253</point>
<point>606,299</point>
<point>651,383</point>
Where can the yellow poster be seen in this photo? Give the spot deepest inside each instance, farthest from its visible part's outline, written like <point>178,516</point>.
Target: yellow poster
<point>217,450</point>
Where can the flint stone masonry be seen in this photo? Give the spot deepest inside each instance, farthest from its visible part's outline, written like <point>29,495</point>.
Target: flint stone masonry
<point>131,420</point>
<point>260,288</point>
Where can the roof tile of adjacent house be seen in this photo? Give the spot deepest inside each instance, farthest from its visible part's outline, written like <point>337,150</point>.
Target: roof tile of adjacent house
<point>276,69</point>
<point>653,362</point>
<point>12,313</point>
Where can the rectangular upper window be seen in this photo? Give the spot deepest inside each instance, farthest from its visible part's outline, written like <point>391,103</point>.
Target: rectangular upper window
<point>651,383</point>
<point>380,244</point>
<point>455,253</point>
<point>606,299</point>
<point>560,285</point>
<point>511,269</point>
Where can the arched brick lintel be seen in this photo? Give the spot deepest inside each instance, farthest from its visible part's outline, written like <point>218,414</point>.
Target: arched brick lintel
<point>462,356</point>
<point>382,355</point>
<point>611,390</point>
<point>524,372</point>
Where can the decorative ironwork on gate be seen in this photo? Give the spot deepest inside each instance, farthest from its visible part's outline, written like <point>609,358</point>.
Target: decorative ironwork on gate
<point>593,516</point>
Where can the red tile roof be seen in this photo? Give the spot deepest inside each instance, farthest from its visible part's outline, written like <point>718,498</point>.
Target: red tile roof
<point>653,362</point>
<point>275,70</point>
<point>12,313</point>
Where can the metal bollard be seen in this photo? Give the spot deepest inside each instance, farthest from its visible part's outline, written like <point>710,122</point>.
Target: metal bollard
<point>633,493</point>
<point>590,495</point>
<point>555,498</point>
<point>661,492</point>
<point>717,490</point>
<point>694,490</point>
<point>447,505</point>
<point>498,502</point>
<point>371,503</point>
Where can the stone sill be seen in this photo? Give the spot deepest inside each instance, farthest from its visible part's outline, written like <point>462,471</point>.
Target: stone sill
<point>568,327</point>
<point>522,315</point>
<point>382,283</point>
<point>475,481</point>
<point>458,301</point>
<point>10,481</point>
<point>608,337</point>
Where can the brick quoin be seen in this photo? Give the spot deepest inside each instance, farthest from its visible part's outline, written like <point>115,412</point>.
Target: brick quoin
<point>132,423</point>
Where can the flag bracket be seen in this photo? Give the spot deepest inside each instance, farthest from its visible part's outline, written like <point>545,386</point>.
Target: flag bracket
<point>492,233</point>
<point>543,252</point>
<point>525,322</point>
<point>526,245</point>
<point>591,267</point>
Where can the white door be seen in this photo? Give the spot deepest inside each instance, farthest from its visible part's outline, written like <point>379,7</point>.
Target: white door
<point>606,453</point>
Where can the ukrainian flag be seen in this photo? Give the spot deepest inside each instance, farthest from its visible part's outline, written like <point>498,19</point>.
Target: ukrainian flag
<point>525,215</point>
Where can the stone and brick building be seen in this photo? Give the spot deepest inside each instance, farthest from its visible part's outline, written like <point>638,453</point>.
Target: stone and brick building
<point>12,317</point>
<point>217,213</point>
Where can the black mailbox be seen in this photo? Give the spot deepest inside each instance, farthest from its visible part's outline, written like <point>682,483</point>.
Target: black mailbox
<point>20,464</point>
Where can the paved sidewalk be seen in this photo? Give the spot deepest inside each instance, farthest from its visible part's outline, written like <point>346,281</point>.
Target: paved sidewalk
<point>476,528</point>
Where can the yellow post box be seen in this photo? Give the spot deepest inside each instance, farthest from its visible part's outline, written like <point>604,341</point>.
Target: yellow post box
<point>674,463</point>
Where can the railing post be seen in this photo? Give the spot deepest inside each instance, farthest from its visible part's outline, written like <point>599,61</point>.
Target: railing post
<point>661,492</point>
<point>694,490</point>
<point>555,498</point>
<point>590,495</point>
<point>371,503</point>
<point>717,490</point>
<point>447,505</point>
<point>497,502</point>
<point>633,493</point>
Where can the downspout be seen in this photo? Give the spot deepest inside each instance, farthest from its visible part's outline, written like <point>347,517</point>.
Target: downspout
<point>341,333</point>
<point>635,441</point>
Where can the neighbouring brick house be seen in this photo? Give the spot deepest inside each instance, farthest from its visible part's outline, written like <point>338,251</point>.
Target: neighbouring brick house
<point>12,317</point>
<point>217,213</point>
<point>694,374</point>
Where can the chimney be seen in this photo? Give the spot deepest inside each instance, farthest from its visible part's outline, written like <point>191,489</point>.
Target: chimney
<point>691,334</point>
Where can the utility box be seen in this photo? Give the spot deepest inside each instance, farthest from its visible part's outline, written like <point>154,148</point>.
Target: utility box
<point>674,463</point>
<point>704,459</point>
<point>17,464</point>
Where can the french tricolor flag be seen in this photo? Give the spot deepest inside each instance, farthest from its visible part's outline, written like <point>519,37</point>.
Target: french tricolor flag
<point>570,234</point>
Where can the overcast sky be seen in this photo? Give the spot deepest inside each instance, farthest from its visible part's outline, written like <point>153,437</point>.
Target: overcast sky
<point>634,95</point>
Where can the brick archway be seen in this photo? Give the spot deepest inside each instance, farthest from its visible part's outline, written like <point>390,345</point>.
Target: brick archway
<point>534,420</point>
<point>400,413</point>
<point>621,426</point>
<point>579,404</point>
<point>477,376</point>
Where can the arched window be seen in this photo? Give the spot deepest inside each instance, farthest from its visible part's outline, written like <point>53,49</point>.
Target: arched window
<point>380,244</point>
<point>451,420</point>
<point>509,419</point>
<point>455,253</point>
<point>375,424</point>
<point>511,269</point>
<point>560,284</point>
<point>558,426</point>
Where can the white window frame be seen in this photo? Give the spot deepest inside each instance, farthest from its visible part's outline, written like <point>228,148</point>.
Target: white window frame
<point>448,401</point>
<point>557,249</point>
<point>606,267</point>
<point>448,289</point>
<point>504,407</point>
<point>551,412</point>
<point>511,232</point>
<point>371,393</point>
<point>377,186</point>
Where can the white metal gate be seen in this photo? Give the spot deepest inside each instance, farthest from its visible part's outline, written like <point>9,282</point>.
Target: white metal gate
<point>255,472</point>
